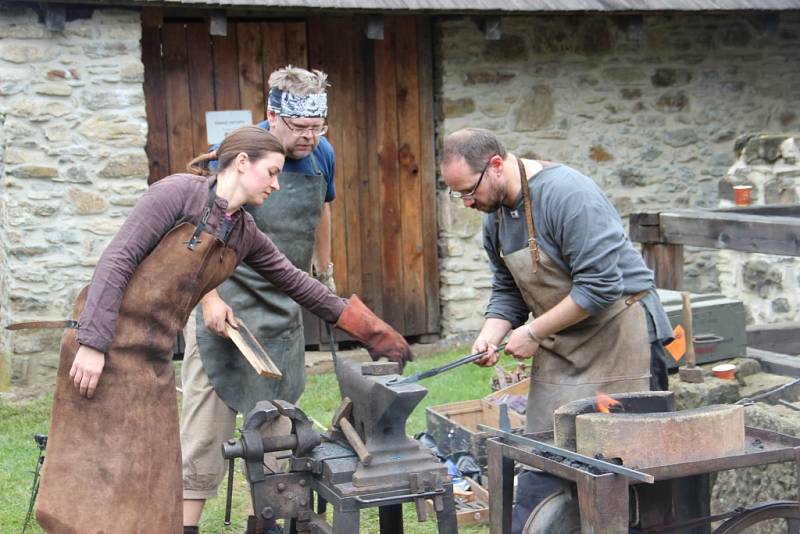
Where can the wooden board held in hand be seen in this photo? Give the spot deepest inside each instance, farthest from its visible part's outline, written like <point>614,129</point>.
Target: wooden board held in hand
<point>252,350</point>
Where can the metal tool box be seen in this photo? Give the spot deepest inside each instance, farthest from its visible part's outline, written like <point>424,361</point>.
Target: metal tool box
<point>719,325</point>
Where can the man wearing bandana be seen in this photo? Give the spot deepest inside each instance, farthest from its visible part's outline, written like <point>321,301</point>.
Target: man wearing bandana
<point>218,382</point>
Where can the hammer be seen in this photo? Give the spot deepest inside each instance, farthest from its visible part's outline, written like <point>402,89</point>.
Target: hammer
<point>341,421</point>
<point>689,372</point>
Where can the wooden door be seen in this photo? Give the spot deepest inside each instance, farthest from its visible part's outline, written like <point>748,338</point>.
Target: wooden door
<point>381,125</point>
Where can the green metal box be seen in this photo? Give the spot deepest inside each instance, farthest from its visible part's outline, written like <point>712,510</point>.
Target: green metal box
<point>718,321</point>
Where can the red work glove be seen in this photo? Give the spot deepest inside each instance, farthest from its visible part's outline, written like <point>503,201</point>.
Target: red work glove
<point>381,339</point>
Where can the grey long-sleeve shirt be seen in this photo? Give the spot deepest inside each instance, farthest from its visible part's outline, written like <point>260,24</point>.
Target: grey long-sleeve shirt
<point>166,204</point>
<point>580,230</point>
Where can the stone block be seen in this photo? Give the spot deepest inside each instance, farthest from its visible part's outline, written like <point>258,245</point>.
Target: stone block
<point>712,391</point>
<point>457,107</point>
<point>86,202</point>
<point>648,440</point>
<point>113,128</point>
<point>126,165</point>
<point>537,111</point>
<point>508,49</point>
<point>26,53</point>
<point>53,89</point>
<point>39,109</point>
<point>33,171</point>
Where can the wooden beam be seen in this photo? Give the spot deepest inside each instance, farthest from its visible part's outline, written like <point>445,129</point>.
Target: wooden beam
<point>152,17</point>
<point>766,230</point>
<point>666,261</point>
<point>783,338</point>
<point>772,362</point>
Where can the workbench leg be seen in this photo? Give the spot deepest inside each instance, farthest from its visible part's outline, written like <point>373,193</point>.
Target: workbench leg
<point>391,519</point>
<point>446,519</point>
<point>346,522</point>
<point>603,502</point>
<point>501,480</point>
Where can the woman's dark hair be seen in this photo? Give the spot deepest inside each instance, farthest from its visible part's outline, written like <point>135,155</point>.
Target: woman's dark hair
<point>254,141</point>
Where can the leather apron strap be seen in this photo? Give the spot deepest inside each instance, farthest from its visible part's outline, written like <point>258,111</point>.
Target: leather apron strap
<point>526,199</point>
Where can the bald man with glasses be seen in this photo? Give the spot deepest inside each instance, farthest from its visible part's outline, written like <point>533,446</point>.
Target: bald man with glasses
<point>218,382</point>
<point>558,252</point>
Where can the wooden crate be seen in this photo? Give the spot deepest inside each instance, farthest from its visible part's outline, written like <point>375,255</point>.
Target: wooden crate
<point>454,426</point>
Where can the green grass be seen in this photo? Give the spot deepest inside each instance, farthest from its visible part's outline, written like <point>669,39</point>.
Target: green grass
<point>18,452</point>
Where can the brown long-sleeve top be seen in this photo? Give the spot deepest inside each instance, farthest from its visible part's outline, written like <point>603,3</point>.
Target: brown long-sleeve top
<point>167,203</point>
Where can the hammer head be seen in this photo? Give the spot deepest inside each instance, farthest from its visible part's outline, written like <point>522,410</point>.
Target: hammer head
<point>343,411</point>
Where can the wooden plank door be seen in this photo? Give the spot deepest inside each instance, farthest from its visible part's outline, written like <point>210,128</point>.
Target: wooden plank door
<point>381,125</point>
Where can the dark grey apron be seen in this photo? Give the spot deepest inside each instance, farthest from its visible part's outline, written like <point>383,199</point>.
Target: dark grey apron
<point>289,217</point>
<point>608,352</point>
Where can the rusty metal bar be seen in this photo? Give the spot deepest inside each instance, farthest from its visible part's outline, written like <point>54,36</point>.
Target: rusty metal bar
<point>594,462</point>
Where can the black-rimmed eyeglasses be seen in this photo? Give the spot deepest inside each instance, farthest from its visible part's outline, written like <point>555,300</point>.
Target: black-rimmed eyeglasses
<point>318,129</point>
<point>469,196</point>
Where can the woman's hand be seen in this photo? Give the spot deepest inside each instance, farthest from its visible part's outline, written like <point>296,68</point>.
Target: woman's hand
<point>86,370</point>
<point>216,313</point>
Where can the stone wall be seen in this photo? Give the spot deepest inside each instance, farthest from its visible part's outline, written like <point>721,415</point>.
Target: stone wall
<point>647,105</point>
<point>769,285</point>
<point>72,163</point>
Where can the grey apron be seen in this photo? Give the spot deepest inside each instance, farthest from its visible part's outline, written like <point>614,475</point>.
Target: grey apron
<point>289,217</point>
<point>608,352</point>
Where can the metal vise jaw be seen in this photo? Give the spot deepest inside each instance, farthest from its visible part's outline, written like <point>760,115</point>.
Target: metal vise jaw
<point>379,416</point>
<point>276,495</point>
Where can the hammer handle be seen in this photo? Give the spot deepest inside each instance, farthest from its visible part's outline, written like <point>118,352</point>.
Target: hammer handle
<point>355,441</point>
<point>688,329</point>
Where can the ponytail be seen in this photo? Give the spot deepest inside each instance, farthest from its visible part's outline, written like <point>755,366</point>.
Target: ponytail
<point>254,141</point>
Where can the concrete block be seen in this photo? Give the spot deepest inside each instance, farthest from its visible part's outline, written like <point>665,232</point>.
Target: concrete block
<point>648,440</point>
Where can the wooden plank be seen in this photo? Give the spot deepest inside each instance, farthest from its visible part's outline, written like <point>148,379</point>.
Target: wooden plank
<point>297,43</point>
<point>226,70</point>
<point>391,238</point>
<point>644,227</point>
<point>773,362</point>
<point>201,82</point>
<point>408,117</point>
<point>338,62</point>
<point>666,261</point>
<point>157,147</point>
<point>176,82</point>
<point>273,36</point>
<point>369,170</point>
<point>783,338</point>
<point>733,231</point>
<point>251,76</point>
<point>427,170</point>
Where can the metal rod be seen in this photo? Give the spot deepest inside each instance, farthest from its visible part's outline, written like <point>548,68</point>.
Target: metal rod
<point>594,462</point>
<point>229,494</point>
<point>750,400</point>
<point>446,367</point>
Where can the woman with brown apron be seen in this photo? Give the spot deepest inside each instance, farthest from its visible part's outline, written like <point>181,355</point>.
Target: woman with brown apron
<point>114,462</point>
<point>579,277</point>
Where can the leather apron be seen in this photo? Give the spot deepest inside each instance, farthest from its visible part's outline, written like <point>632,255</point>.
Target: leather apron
<point>608,352</point>
<point>114,461</point>
<point>289,217</point>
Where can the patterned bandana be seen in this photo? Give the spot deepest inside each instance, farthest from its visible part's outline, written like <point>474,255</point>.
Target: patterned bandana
<point>290,105</point>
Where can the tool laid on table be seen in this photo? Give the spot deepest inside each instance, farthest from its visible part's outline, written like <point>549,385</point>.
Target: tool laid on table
<point>436,370</point>
<point>341,422</point>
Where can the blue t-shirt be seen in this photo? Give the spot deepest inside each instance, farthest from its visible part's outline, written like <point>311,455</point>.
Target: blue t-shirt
<point>325,158</point>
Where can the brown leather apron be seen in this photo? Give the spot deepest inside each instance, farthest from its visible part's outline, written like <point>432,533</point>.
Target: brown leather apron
<point>608,352</point>
<point>113,461</point>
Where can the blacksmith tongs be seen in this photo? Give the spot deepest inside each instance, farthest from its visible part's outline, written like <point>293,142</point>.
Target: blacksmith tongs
<point>436,370</point>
